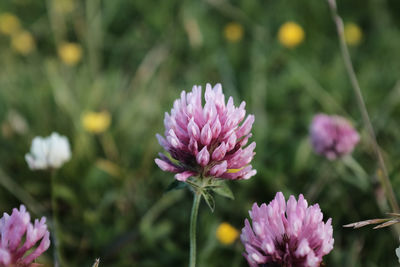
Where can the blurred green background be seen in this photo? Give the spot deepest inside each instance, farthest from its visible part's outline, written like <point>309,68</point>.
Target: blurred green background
<point>63,58</point>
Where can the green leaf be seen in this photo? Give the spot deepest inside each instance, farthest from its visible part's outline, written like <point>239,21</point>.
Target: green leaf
<point>175,185</point>
<point>65,193</point>
<point>209,200</point>
<point>223,190</point>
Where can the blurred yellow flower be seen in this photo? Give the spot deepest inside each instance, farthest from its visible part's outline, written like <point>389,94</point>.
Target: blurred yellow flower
<point>64,6</point>
<point>96,122</point>
<point>352,34</point>
<point>70,53</point>
<point>291,34</point>
<point>23,42</point>
<point>9,23</point>
<point>233,32</point>
<point>108,167</point>
<point>226,233</point>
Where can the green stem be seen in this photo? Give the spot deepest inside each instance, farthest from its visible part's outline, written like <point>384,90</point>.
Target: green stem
<point>362,180</point>
<point>364,113</point>
<point>57,254</point>
<point>193,223</point>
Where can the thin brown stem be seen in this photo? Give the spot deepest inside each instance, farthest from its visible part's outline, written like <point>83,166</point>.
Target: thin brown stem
<point>364,113</point>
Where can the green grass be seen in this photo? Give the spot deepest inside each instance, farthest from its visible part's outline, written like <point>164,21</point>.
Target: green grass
<point>137,58</point>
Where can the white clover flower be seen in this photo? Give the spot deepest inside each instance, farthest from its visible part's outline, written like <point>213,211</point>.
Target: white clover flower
<point>398,253</point>
<point>48,152</point>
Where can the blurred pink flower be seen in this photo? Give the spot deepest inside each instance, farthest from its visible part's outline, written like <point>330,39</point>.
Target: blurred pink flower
<point>290,235</point>
<point>18,235</point>
<point>332,136</point>
<point>207,140</point>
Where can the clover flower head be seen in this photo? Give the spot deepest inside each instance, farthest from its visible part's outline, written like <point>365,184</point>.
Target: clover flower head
<point>209,140</point>
<point>21,242</point>
<point>289,234</point>
<point>332,136</point>
<point>48,152</point>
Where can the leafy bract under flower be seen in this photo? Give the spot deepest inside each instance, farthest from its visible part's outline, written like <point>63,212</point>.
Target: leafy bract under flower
<point>207,140</point>
<point>21,242</point>
<point>290,234</point>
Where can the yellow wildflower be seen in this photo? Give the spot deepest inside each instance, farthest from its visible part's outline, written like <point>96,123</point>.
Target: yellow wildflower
<point>291,34</point>
<point>352,34</point>
<point>9,24</point>
<point>96,122</point>
<point>233,32</point>
<point>64,6</point>
<point>70,53</point>
<point>108,167</point>
<point>226,233</point>
<point>23,43</point>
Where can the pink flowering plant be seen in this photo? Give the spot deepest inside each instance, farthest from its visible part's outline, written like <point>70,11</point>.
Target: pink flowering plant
<point>206,146</point>
<point>21,242</point>
<point>209,140</point>
<point>290,234</point>
<point>332,136</point>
